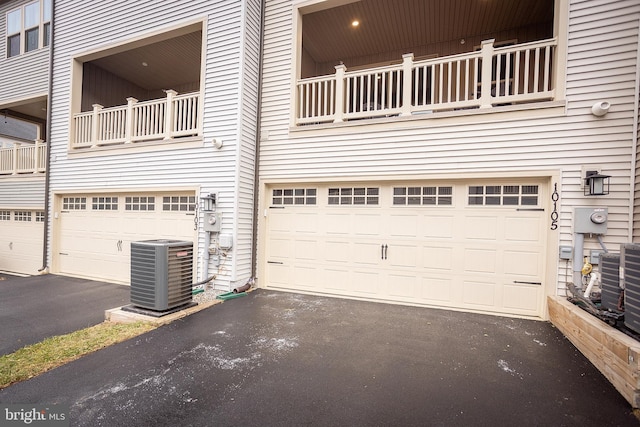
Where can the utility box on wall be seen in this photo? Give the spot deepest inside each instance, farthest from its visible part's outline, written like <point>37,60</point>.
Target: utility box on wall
<point>590,220</point>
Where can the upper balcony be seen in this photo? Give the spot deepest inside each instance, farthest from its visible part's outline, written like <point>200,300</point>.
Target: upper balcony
<point>368,59</point>
<point>160,119</point>
<point>146,91</point>
<point>23,159</point>
<point>482,79</point>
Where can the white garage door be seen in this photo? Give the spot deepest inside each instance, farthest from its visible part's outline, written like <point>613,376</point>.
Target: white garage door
<point>96,230</point>
<point>21,236</point>
<point>476,246</point>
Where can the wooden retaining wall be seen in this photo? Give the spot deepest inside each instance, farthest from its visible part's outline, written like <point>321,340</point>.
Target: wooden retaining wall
<point>615,354</point>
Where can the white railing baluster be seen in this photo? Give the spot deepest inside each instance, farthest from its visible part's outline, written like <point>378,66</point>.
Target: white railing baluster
<point>547,68</point>
<point>536,74</point>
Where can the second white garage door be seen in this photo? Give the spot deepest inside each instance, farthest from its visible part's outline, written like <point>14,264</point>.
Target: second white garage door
<point>96,230</point>
<point>477,246</point>
<point>21,236</point>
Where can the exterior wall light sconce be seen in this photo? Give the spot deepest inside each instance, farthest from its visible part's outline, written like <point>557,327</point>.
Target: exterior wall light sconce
<point>209,202</point>
<point>596,184</point>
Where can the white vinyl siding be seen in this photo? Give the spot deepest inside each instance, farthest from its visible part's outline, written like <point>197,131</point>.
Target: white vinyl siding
<point>226,111</point>
<point>602,48</point>
<point>21,76</point>
<point>30,193</point>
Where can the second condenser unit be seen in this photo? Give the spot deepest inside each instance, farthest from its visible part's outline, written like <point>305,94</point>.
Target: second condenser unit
<point>630,262</point>
<point>161,274</point>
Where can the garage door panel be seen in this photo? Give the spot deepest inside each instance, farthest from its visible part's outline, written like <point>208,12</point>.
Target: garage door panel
<point>461,254</point>
<point>479,260</point>
<point>366,253</point>
<point>94,238</point>
<point>521,263</point>
<point>437,258</point>
<point>337,279</point>
<point>438,226</point>
<point>305,276</point>
<point>367,225</point>
<point>435,289</point>
<point>403,225</point>
<point>280,248</point>
<point>519,229</point>
<point>337,251</point>
<point>365,282</point>
<point>337,224</point>
<point>479,294</point>
<point>280,221</point>
<point>402,285</point>
<point>305,223</point>
<point>306,250</point>
<point>403,255</point>
<point>21,246</point>
<point>481,228</point>
<point>279,274</point>
<point>522,298</point>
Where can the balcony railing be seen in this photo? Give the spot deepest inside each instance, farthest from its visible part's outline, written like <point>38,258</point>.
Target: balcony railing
<point>23,158</point>
<point>164,119</point>
<point>481,79</point>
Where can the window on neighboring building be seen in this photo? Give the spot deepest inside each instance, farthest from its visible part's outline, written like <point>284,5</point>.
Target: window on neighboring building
<point>14,18</point>
<point>29,28</point>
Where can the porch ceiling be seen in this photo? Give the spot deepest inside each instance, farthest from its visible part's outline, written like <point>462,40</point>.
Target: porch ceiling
<point>391,25</point>
<point>168,62</point>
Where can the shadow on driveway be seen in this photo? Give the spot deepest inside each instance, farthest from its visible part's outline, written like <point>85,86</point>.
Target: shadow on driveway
<point>36,307</point>
<point>273,358</point>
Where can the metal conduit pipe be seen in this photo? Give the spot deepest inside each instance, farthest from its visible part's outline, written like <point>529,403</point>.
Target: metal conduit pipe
<point>604,248</point>
<point>578,251</point>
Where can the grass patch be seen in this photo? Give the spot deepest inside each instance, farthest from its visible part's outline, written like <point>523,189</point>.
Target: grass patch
<point>36,359</point>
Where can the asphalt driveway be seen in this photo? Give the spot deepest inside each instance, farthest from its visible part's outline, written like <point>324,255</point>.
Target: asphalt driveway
<point>36,307</point>
<point>271,359</point>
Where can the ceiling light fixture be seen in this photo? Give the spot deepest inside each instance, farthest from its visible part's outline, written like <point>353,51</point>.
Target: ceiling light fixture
<point>355,23</point>
<point>144,64</point>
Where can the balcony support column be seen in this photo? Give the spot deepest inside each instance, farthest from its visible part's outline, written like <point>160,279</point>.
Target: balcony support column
<point>168,118</point>
<point>95,124</point>
<point>339,113</point>
<point>36,155</point>
<point>407,64</point>
<point>485,77</point>
<point>15,159</point>
<point>128,130</point>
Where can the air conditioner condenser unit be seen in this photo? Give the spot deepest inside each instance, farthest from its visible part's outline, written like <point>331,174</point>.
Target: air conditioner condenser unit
<point>161,274</point>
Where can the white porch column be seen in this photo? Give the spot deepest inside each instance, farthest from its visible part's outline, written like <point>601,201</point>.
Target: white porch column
<point>128,130</point>
<point>407,63</point>
<point>339,113</point>
<point>168,118</point>
<point>95,124</point>
<point>15,159</point>
<point>485,79</point>
<point>36,155</point>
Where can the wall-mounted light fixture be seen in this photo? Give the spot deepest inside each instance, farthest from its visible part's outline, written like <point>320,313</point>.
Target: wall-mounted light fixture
<point>209,202</point>
<point>596,184</point>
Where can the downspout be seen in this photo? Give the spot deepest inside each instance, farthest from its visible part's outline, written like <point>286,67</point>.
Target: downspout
<point>256,167</point>
<point>45,240</point>
<point>634,144</point>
